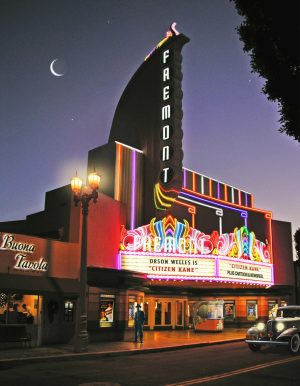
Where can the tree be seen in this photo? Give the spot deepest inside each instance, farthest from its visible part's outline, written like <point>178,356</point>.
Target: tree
<point>297,242</point>
<point>270,33</point>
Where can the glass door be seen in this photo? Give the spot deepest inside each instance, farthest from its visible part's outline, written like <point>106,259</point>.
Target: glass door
<point>179,313</point>
<point>163,313</point>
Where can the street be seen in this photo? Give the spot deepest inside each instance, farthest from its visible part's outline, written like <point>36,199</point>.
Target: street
<point>223,364</point>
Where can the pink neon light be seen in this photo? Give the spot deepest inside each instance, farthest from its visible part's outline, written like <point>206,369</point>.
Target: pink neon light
<point>133,190</point>
<point>217,268</point>
<point>195,256</point>
<point>210,279</point>
<point>119,263</point>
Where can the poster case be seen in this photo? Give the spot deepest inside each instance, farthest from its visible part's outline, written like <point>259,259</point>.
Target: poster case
<point>252,310</point>
<point>106,310</point>
<point>208,315</point>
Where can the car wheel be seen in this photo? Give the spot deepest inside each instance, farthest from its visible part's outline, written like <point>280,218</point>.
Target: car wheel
<point>254,347</point>
<point>294,344</point>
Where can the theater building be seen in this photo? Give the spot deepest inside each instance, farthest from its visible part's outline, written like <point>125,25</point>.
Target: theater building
<point>188,248</point>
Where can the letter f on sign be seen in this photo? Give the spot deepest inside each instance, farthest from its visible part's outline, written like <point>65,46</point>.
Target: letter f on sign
<point>166,55</point>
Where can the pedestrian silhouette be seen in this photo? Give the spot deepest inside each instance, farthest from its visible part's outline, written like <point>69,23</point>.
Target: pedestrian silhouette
<point>139,320</point>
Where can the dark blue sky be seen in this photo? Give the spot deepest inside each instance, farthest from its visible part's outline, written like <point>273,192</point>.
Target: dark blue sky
<point>49,123</point>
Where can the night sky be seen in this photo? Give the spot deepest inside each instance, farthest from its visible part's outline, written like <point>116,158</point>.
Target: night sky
<point>49,123</point>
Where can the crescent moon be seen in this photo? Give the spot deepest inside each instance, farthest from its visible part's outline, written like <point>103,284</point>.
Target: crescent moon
<point>52,69</point>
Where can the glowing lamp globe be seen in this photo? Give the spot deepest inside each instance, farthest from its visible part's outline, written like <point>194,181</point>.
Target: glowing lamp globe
<point>85,190</point>
<point>76,184</point>
<point>94,181</point>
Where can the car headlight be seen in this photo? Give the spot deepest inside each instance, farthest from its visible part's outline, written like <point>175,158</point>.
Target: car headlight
<point>279,326</point>
<point>261,326</point>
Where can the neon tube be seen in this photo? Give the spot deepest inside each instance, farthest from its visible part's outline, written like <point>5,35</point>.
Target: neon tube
<point>133,190</point>
<point>244,212</point>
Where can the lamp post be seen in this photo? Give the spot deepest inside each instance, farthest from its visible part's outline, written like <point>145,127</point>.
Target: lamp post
<point>83,194</point>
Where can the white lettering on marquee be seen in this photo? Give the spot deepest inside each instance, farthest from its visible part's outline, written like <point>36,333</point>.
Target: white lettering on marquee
<point>165,112</point>
<point>166,74</point>
<point>166,55</point>
<point>165,175</point>
<point>155,244</point>
<point>146,243</point>
<point>166,153</point>
<point>166,132</point>
<point>166,93</point>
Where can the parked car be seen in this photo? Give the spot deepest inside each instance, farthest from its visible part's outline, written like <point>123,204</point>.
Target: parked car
<point>283,330</point>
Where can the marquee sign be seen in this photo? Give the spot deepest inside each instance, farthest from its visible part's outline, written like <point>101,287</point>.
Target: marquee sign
<point>153,123</point>
<point>169,249</point>
<point>171,155</point>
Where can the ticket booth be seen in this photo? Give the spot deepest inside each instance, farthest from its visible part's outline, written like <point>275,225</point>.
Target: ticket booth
<point>208,315</point>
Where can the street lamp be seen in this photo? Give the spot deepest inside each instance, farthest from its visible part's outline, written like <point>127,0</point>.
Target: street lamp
<point>83,194</point>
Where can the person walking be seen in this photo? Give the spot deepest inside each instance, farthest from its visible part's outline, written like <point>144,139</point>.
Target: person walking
<point>139,320</point>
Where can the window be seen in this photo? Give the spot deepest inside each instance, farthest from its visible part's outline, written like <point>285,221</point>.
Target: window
<point>18,308</point>
<point>289,313</point>
<point>69,311</point>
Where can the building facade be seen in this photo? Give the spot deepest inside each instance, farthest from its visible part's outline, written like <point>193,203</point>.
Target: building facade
<point>193,251</point>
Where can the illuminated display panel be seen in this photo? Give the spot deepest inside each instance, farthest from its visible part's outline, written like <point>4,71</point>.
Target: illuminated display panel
<point>197,267</point>
<point>172,265</point>
<point>244,270</point>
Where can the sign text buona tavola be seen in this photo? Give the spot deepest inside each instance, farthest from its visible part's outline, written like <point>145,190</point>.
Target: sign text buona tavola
<point>23,250</point>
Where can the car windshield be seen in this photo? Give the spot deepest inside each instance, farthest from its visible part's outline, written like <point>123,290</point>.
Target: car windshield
<point>288,312</point>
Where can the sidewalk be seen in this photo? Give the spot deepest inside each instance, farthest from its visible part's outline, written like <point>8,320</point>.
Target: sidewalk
<point>154,341</point>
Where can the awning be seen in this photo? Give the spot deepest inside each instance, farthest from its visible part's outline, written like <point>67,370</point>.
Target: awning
<point>115,278</point>
<point>10,283</point>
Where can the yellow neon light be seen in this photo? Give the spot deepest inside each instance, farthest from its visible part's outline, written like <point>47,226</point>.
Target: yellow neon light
<point>161,198</point>
<point>118,172</point>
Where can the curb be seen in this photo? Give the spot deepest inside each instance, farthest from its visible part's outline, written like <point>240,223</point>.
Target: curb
<point>99,354</point>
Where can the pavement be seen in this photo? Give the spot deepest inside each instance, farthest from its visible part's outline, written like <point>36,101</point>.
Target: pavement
<point>154,341</point>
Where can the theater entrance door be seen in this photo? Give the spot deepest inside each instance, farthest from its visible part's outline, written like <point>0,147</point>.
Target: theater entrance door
<point>165,313</point>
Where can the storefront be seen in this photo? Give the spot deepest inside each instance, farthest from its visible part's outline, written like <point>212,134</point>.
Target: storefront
<point>38,286</point>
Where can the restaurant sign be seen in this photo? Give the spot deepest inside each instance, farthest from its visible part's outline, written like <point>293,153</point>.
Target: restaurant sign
<point>169,249</point>
<point>22,250</point>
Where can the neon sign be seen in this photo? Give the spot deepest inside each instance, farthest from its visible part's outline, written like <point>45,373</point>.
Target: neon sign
<point>170,249</point>
<point>171,236</point>
<point>170,174</point>
<point>197,267</point>
<point>22,248</point>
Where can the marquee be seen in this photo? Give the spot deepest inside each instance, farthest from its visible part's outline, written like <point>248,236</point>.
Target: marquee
<point>170,249</point>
